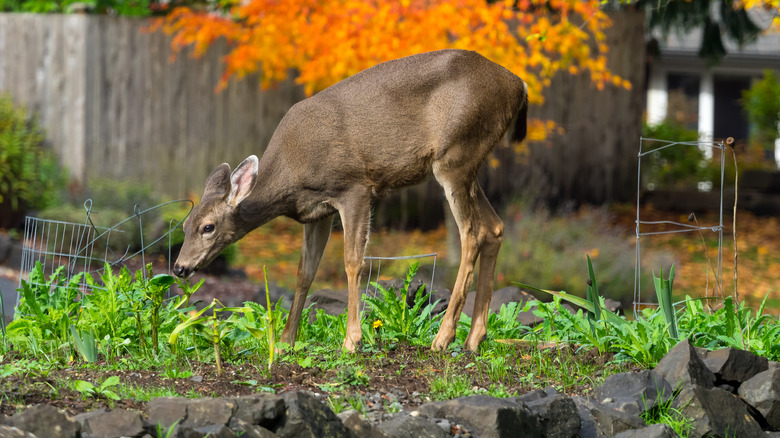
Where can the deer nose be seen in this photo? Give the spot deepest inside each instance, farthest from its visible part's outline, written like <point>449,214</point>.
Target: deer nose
<point>180,271</point>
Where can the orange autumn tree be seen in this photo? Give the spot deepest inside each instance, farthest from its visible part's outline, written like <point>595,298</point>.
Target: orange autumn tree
<point>326,41</point>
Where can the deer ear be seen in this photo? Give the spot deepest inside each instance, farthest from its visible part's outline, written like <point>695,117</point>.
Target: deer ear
<point>218,183</point>
<point>243,180</point>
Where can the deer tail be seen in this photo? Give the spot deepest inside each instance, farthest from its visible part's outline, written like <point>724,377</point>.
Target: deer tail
<point>521,119</point>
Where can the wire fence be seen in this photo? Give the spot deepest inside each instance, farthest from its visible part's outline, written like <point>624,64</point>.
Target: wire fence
<point>72,248</point>
<point>651,149</point>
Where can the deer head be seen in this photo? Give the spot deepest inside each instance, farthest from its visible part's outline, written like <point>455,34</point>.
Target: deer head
<point>215,223</point>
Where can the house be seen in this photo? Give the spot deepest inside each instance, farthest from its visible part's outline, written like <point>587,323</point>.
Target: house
<point>705,95</point>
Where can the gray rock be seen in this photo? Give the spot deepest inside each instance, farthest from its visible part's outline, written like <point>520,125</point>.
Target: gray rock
<point>683,367</point>
<point>653,431</point>
<point>305,416</point>
<point>205,412</point>
<point>246,430</point>
<point>599,420</point>
<point>332,302</point>
<point>405,426</point>
<point>634,393</point>
<point>264,410</point>
<point>487,416</point>
<point>115,423</point>
<point>359,426</point>
<point>763,393</point>
<point>13,432</point>
<point>557,416</point>
<point>165,411</point>
<point>45,421</point>
<point>214,431</point>
<point>734,365</point>
<point>716,412</point>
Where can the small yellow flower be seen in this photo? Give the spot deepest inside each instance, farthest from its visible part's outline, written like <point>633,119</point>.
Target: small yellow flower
<point>377,324</point>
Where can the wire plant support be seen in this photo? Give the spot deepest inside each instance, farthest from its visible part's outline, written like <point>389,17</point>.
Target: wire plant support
<point>85,247</point>
<point>649,148</point>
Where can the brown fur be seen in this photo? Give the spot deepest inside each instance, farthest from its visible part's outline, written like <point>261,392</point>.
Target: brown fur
<point>396,124</point>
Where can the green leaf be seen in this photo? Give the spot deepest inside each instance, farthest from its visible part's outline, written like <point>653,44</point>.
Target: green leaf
<point>111,381</point>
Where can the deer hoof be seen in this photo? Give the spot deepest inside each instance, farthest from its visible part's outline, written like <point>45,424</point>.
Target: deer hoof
<point>441,342</point>
<point>351,346</point>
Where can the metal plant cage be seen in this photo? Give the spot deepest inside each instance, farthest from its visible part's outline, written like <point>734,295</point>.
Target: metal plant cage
<point>73,248</point>
<point>650,149</point>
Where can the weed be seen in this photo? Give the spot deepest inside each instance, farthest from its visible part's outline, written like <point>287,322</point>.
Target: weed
<point>88,389</point>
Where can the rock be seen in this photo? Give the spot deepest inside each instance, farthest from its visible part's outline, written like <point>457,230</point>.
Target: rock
<point>115,423</point>
<point>165,411</point>
<point>762,391</point>
<point>332,302</point>
<point>734,365</point>
<point>634,393</point>
<point>716,412</point>
<point>683,367</point>
<point>487,416</point>
<point>13,432</point>
<point>45,421</point>
<point>305,416</point>
<point>405,426</point>
<point>213,431</point>
<point>653,431</point>
<point>556,415</point>
<point>264,410</point>
<point>359,426</point>
<point>599,420</point>
<point>205,412</point>
<point>246,430</point>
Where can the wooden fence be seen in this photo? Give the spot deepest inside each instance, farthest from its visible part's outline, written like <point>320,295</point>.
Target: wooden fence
<point>115,106</point>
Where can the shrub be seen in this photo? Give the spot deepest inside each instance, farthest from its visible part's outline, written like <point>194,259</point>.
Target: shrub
<point>29,173</point>
<point>761,104</point>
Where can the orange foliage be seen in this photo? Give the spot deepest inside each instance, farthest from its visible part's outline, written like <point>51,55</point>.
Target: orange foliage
<point>329,40</point>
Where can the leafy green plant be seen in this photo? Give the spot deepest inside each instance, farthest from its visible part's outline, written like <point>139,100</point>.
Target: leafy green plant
<point>88,389</point>
<point>399,321</point>
<point>46,309</point>
<point>676,166</point>
<point>761,104</point>
<point>85,344</point>
<point>29,174</point>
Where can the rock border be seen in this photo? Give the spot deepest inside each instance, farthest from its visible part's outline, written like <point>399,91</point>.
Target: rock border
<point>727,392</point>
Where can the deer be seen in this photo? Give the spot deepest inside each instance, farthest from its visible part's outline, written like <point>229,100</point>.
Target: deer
<point>390,126</point>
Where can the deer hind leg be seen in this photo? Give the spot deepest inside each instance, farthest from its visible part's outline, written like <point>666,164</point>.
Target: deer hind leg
<point>488,253</point>
<point>476,233</point>
<point>315,238</point>
<point>355,217</point>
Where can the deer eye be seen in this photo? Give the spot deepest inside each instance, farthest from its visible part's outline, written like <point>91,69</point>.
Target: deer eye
<point>208,228</point>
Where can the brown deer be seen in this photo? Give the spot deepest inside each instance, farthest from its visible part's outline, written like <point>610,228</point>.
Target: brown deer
<point>390,126</point>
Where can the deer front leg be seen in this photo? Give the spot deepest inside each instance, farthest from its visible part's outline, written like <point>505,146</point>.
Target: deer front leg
<point>355,217</point>
<point>315,238</point>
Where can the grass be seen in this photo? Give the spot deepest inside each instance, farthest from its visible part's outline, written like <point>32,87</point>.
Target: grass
<point>568,352</point>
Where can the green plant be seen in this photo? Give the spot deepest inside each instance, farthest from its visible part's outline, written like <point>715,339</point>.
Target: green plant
<point>29,174</point>
<point>761,103</point>
<point>46,309</point>
<point>675,166</point>
<point>450,386</point>
<point>663,290</point>
<point>88,389</point>
<point>352,376</point>
<point>399,322</point>
<point>666,414</point>
<point>85,344</point>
